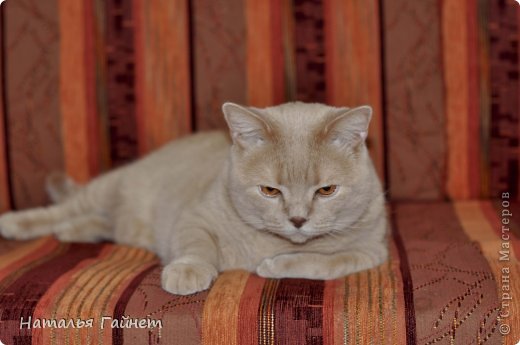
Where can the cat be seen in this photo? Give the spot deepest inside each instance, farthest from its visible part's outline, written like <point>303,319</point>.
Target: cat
<point>291,193</point>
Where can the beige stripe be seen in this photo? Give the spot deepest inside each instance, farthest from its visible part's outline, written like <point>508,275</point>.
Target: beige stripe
<point>479,229</point>
<point>222,305</point>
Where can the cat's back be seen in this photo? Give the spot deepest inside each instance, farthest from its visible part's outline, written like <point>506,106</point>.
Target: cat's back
<point>175,174</point>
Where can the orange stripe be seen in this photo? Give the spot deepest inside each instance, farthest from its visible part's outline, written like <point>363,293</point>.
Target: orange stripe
<point>75,80</point>
<point>223,303</point>
<point>264,53</point>
<point>16,259</point>
<point>353,63</point>
<point>5,203</point>
<point>456,76</point>
<point>163,71</point>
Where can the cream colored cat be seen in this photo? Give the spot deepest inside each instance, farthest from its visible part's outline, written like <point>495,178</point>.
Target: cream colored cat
<point>295,195</point>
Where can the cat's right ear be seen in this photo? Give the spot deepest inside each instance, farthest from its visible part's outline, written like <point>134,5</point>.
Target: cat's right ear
<point>247,128</point>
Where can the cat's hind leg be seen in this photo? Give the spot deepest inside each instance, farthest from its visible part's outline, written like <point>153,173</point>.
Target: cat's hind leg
<point>27,224</point>
<point>76,212</point>
<point>92,227</point>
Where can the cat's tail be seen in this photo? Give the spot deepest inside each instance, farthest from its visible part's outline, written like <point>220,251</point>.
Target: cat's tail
<point>60,186</point>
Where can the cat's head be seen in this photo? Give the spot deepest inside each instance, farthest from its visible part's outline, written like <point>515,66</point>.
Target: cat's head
<point>300,170</point>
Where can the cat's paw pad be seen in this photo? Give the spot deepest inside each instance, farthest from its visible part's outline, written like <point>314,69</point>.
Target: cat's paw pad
<point>187,278</point>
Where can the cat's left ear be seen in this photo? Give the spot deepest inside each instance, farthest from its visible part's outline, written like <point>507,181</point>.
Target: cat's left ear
<point>349,127</point>
<point>247,127</point>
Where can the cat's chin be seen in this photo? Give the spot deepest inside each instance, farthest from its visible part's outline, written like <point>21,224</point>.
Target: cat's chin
<point>298,238</point>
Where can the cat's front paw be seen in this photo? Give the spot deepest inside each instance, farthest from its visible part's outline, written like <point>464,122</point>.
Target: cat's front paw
<point>185,278</point>
<point>276,267</point>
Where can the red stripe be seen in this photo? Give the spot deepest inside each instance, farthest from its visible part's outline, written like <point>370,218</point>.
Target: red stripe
<point>277,54</point>
<point>249,309</point>
<point>139,74</point>
<point>21,297</point>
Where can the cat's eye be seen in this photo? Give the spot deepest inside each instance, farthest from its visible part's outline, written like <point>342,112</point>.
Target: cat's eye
<point>327,190</point>
<point>269,191</point>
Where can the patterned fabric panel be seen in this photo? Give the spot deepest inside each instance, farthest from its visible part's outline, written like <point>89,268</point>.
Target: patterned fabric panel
<point>443,284</point>
<point>90,85</point>
<point>31,90</point>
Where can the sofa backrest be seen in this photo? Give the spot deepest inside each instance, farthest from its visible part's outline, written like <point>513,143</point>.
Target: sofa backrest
<point>88,85</point>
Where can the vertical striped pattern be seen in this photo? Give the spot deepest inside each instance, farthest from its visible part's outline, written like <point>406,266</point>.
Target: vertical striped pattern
<point>353,67</point>
<point>461,97</point>
<point>104,82</point>
<point>163,72</point>
<point>265,86</point>
<point>5,202</point>
<point>76,90</point>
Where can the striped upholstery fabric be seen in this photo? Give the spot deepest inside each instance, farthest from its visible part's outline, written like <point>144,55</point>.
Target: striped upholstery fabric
<point>89,85</point>
<point>444,284</point>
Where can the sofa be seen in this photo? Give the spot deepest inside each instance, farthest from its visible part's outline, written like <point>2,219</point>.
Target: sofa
<point>87,86</point>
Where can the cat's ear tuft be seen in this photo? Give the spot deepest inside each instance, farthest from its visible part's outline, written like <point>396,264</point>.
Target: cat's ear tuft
<point>349,127</point>
<point>247,127</point>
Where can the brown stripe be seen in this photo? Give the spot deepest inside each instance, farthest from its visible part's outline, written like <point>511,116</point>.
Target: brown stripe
<point>411,336</point>
<point>119,310</point>
<point>309,51</point>
<point>120,79</point>
<point>22,296</point>
<point>353,64</point>
<point>505,108</point>
<point>220,48</point>
<point>414,95</point>
<point>32,65</point>
<point>298,311</point>
<point>5,197</point>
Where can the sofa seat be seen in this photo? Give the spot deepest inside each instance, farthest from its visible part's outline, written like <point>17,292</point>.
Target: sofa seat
<point>444,283</point>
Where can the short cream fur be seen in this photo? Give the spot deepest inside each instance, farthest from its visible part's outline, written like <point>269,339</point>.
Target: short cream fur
<point>199,203</point>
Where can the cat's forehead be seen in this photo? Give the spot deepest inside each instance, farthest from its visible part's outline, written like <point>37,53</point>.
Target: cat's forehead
<point>298,117</point>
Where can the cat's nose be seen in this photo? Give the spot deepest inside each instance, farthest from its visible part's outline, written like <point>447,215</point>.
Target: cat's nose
<point>298,221</point>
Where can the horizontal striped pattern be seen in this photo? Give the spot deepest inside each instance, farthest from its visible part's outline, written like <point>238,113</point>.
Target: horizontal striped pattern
<point>452,270</point>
